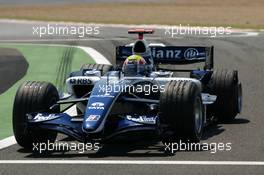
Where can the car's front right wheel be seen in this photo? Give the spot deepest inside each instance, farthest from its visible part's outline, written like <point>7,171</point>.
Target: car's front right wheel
<point>182,110</point>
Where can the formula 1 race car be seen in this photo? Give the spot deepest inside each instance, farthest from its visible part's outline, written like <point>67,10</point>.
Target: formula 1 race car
<point>135,99</point>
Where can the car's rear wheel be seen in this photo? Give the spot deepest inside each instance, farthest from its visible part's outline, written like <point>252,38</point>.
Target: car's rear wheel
<point>103,68</point>
<point>33,96</point>
<point>182,109</point>
<point>226,86</point>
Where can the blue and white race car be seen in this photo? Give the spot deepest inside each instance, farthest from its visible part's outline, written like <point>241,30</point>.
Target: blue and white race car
<point>135,99</point>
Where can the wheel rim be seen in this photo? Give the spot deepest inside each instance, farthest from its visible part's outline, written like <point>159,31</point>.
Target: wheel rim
<point>198,115</point>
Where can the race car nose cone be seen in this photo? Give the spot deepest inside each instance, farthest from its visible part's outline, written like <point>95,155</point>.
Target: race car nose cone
<point>89,128</point>
<point>92,121</point>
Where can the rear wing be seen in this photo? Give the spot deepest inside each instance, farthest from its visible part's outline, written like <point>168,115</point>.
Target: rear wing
<point>140,32</point>
<point>174,54</point>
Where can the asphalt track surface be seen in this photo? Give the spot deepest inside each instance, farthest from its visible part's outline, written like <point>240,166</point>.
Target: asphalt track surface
<point>246,133</point>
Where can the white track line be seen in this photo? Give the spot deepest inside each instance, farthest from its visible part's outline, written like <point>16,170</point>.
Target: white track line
<point>7,142</point>
<point>237,32</point>
<point>134,162</point>
<point>98,57</point>
<point>126,26</point>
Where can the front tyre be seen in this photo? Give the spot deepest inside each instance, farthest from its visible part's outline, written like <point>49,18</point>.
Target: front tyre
<point>33,96</point>
<point>182,109</point>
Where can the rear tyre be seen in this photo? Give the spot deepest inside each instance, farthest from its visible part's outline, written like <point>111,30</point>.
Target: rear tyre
<point>225,85</point>
<point>104,68</point>
<point>182,109</point>
<point>33,96</point>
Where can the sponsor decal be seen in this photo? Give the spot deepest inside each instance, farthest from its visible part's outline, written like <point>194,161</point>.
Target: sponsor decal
<point>142,119</point>
<point>80,81</point>
<point>97,105</point>
<point>93,118</point>
<point>168,53</point>
<point>191,54</point>
<point>40,117</point>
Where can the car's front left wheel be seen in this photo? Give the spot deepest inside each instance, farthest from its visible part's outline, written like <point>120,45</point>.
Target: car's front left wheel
<point>33,96</point>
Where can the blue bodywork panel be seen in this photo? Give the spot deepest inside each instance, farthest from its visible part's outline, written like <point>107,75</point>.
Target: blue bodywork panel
<point>99,105</point>
<point>94,120</point>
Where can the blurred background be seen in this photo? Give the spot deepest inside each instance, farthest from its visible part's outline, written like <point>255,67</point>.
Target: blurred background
<point>235,13</point>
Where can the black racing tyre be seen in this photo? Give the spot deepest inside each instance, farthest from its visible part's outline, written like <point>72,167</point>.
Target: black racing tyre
<point>225,85</point>
<point>33,96</point>
<point>182,109</point>
<point>104,68</point>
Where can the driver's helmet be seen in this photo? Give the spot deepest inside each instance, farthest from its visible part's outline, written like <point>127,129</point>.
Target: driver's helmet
<point>134,65</point>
